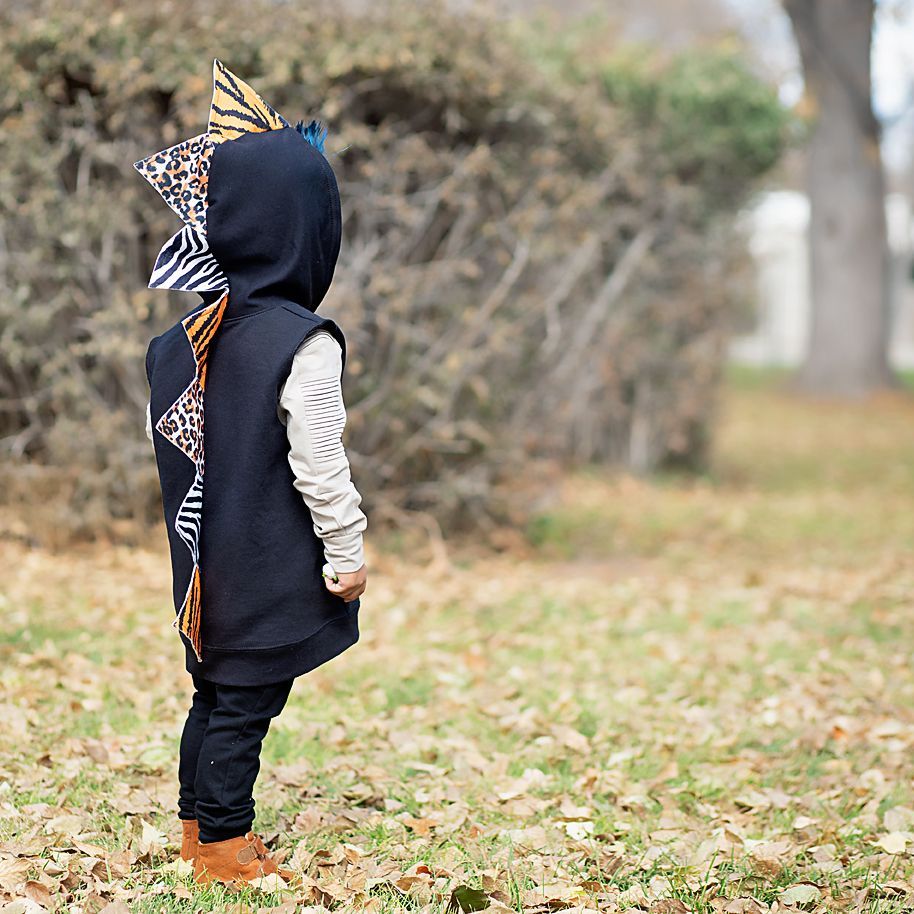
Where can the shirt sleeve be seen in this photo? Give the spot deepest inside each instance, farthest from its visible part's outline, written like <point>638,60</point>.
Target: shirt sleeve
<point>148,422</point>
<point>311,407</point>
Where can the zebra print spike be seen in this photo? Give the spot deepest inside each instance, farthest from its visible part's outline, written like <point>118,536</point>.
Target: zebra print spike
<point>187,523</point>
<point>186,263</point>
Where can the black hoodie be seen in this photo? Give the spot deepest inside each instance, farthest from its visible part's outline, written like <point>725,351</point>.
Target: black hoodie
<point>274,226</point>
<point>273,220</point>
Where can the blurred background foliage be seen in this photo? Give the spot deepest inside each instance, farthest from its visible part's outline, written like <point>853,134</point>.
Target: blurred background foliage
<point>538,266</point>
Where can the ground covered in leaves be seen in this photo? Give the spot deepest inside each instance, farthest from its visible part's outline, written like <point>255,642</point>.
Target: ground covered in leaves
<point>681,696</point>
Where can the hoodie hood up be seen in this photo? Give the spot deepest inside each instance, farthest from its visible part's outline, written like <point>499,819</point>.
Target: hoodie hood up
<point>273,220</point>
<point>261,214</point>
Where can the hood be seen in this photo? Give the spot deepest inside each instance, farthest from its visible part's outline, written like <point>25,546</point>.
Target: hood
<point>273,220</point>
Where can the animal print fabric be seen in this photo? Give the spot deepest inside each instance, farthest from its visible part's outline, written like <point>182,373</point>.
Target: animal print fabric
<point>186,263</point>
<point>182,425</point>
<point>181,175</point>
<point>237,109</point>
<point>182,422</point>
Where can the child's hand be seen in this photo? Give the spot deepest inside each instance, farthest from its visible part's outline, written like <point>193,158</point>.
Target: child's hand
<point>349,585</point>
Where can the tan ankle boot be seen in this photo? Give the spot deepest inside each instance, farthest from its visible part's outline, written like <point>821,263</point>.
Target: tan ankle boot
<point>236,860</point>
<point>190,838</point>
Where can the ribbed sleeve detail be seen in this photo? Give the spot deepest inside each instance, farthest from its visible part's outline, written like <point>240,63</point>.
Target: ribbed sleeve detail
<point>311,406</point>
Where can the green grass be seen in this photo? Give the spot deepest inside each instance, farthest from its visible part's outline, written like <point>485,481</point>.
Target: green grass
<point>672,651</point>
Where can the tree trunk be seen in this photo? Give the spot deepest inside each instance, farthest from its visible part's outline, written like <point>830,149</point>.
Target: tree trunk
<point>847,233</point>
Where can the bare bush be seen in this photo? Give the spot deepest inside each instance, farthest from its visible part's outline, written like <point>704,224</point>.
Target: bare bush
<point>530,268</point>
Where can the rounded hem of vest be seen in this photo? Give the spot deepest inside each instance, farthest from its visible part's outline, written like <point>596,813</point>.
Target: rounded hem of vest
<point>286,644</point>
<point>262,666</point>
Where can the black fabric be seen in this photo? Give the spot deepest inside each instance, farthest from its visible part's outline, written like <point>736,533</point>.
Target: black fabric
<point>273,224</point>
<point>169,367</point>
<point>273,220</point>
<point>220,754</point>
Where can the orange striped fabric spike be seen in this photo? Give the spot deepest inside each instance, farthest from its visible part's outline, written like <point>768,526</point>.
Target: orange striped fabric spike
<point>188,620</point>
<point>237,109</point>
<point>183,425</point>
<point>201,327</point>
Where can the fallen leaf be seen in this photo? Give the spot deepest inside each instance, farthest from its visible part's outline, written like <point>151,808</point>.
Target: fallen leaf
<point>579,830</point>
<point>272,882</point>
<point>464,898</point>
<point>800,894</point>
<point>894,842</point>
<point>898,818</point>
<point>12,872</point>
<point>22,906</point>
<point>38,892</point>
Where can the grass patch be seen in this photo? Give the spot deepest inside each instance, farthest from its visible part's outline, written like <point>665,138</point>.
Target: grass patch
<point>681,674</point>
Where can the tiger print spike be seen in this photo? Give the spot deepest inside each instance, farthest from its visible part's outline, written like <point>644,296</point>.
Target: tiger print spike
<point>188,620</point>
<point>237,109</point>
<point>201,327</point>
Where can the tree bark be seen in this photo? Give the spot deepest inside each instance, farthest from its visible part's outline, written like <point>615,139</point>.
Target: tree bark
<point>848,247</point>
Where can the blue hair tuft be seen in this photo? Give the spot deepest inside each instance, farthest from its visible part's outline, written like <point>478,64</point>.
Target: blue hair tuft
<point>314,132</point>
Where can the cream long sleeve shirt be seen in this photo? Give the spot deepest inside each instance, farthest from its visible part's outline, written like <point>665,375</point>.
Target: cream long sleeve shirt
<point>311,407</point>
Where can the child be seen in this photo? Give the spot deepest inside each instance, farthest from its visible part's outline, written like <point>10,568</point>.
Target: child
<point>252,517</point>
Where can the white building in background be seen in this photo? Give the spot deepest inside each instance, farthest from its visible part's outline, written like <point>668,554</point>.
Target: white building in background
<point>776,228</point>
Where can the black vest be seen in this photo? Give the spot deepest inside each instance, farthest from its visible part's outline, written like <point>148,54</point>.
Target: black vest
<point>267,615</point>
<point>274,227</point>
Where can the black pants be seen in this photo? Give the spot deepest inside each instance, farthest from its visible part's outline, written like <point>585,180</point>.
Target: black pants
<point>220,754</point>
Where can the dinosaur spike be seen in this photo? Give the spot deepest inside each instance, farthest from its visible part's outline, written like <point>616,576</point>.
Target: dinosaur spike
<point>237,109</point>
<point>180,174</point>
